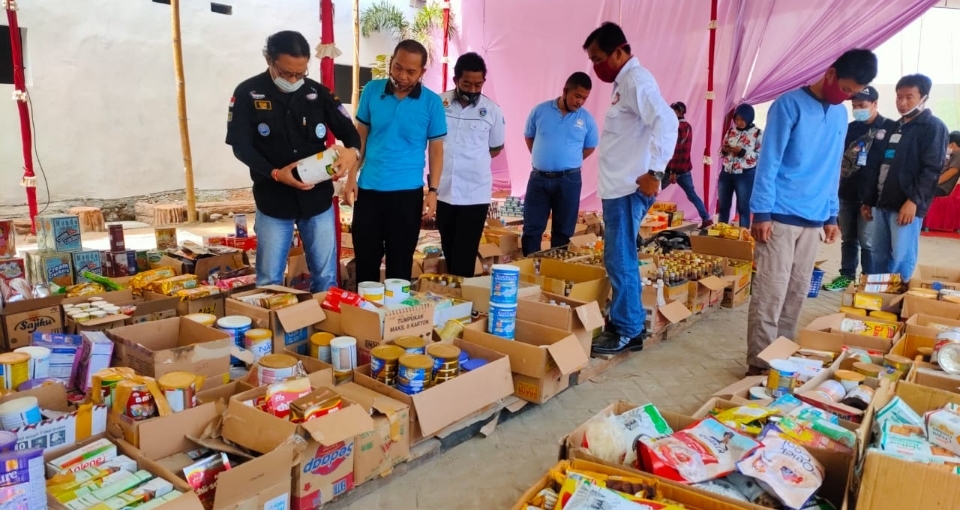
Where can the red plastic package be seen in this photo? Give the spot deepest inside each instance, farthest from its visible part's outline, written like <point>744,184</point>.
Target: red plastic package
<point>337,296</point>
<point>202,476</point>
<point>704,451</point>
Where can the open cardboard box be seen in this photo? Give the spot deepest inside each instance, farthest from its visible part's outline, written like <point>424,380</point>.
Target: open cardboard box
<point>928,326</point>
<point>477,291</point>
<point>589,283</point>
<point>925,276</point>
<point>541,358</point>
<point>838,466</point>
<point>326,467</point>
<point>67,424</point>
<point>928,374</point>
<point>585,320</point>
<point>148,308</point>
<point>373,328</point>
<point>442,405</point>
<point>291,325</point>
<point>913,305</point>
<point>659,318</point>
<point>173,345</point>
<point>892,303</point>
<point>388,444</point>
<point>20,319</point>
<point>705,293</point>
<point>719,403</point>
<point>830,325</point>
<point>187,501</point>
<point>738,255</point>
<point>888,483</point>
<point>206,266</point>
<point>259,483</point>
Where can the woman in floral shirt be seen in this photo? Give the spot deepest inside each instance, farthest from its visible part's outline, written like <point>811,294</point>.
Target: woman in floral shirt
<point>740,150</point>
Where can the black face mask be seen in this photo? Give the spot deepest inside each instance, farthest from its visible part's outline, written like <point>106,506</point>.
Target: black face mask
<point>469,97</point>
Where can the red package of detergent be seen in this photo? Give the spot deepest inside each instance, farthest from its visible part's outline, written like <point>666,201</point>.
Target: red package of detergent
<point>704,451</point>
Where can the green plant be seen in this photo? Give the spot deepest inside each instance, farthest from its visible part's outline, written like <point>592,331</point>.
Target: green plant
<point>387,18</point>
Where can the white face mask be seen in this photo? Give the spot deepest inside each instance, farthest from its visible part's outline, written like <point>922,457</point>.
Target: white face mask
<point>286,86</point>
<point>917,109</point>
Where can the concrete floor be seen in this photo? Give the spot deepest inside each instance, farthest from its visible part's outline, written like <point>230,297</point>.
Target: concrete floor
<point>677,375</point>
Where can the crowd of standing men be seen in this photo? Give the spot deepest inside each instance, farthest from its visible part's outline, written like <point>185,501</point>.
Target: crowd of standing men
<point>884,173</point>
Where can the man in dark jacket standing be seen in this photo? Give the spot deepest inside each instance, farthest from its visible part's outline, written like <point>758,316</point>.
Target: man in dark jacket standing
<point>857,247</point>
<point>903,179</point>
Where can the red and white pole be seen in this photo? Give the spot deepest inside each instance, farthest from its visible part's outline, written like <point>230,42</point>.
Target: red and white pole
<point>446,42</point>
<point>29,179</point>
<point>708,149</point>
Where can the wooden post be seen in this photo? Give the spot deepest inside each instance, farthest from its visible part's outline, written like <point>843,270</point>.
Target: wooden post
<point>182,111</point>
<point>355,100</point>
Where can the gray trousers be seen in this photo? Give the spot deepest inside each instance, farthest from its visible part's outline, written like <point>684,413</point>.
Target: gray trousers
<point>784,267</point>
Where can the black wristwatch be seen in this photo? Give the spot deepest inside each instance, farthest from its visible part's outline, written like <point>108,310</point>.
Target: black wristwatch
<point>432,189</point>
<point>656,175</point>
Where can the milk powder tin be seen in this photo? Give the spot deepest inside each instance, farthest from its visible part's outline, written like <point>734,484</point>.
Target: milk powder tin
<point>502,320</point>
<point>259,342</point>
<point>320,346</point>
<point>504,284</point>
<point>14,369</point>
<point>180,389</point>
<point>39,361</point>
<point>275,368</point>
<point>782,377</point>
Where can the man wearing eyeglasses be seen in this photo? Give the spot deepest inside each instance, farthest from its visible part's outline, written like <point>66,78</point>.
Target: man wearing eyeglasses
<point>274,120</point>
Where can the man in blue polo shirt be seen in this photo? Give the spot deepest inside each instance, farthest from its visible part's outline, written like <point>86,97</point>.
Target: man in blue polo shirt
<point>560,135</point>
<point>397,120</point>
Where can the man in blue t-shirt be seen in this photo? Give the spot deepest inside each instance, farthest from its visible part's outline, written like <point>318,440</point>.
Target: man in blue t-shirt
<point>398,120</point>
<point>560,134</point>
<point>795,196</point>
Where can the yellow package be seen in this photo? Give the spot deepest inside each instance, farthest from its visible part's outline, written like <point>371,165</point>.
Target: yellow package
<point>868,328</point>
<point>196,293</point>
<point>172,285</point>
<point>141,280</point>
<point>84,289</point>
<point>749,419</point>
<point>868,301</point>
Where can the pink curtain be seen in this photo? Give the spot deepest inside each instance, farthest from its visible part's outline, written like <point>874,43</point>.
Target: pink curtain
<point>763,49</point>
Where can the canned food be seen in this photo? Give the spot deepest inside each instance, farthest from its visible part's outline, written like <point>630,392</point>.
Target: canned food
<point>259,342</point>
<point>384,363</point>
<point>944,338</point>
<point>14,369</point>
<point>139,402</point>
<point>949,358</point>
<point>275,368</point>
<point>277,301</point>
<point>415,373</point>
<point>849,379</point>
<point>867,369</point>
<point>446,361</point>
<point>895,366</point>
<point>833,390</point>
<point>411,344</point>
<point>180,389</point>
<point>782,377</point>
<point>236,326</point>
<point>320,346</point>
<point>206,319</point>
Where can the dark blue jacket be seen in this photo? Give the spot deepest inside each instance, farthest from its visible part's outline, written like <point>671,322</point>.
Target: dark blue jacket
<point>915,168</point>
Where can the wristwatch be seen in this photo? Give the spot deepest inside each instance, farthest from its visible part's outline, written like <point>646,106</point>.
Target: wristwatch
<point>655,174</point>
<point>431,189</point>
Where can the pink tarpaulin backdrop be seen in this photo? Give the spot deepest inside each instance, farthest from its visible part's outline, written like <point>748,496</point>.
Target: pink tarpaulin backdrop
<point>763,49</point>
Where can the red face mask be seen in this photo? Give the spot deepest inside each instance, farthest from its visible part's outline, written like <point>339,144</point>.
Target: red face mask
<point>605,71</point>
<point>832,92</point>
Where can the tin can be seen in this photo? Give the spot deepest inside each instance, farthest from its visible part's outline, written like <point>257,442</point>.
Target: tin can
<point>504,284</point>
<point>895,366</point>
<point>117,241</point>
<point>415,373</point>
<point>949,358</point>
<point>278,301</point>
<point>452,329</point>
<point>396,291</point>
<point>411,344</point>
<point>849,379</point>
<point>320,346</point>
<point>343,353</point>
<point>384,363</point>
<point>180,389</point>
<point>166,238</point>
<point>446,362</point>
<point>259,342</point>
<point>39,361</point>
<point>108,387</point>
<point>275,368</point>
<point>206,319</point>
<point>371,291</point>
<point>140,404</point>
<point>867,369</point>
<point>943,339</point>
<point>832,389</point>
<point>14,369</point>
<point>502,321</point>
<point>20,412</point>
<point>240,225</point>
<point>237,326</point>
<point>782,377</point>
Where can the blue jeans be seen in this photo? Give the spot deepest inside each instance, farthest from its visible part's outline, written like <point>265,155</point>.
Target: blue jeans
<point>622,217</point>
<point>856,247</point>
<point>742,185</point>
<point>685,181</point>
<point>558,195</point>
<point>274,237</point>
<point>895,247</point>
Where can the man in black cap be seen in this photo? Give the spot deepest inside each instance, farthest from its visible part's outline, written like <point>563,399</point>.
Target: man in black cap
<point>680,166</point>
<point>856,243</point>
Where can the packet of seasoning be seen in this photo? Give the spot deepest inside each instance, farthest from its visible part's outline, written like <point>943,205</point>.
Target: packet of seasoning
<point>202,476</point>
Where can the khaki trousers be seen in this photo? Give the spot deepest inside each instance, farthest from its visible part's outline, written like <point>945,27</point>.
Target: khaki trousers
<point>784,267</point>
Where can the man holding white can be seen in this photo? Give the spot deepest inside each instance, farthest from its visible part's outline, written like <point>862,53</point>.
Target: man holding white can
<point>275,120</point>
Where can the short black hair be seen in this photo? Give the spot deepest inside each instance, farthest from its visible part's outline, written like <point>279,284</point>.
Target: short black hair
<point>955,137</point>
<point>411,46</point>
<point>470,63</point>
<point>921,81</point>
<point>609,36</point>
<point>287,42</point>
<point>859,65</point>
<point>579,79</point>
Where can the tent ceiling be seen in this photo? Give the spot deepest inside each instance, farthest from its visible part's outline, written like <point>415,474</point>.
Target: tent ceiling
<point>949,4</point>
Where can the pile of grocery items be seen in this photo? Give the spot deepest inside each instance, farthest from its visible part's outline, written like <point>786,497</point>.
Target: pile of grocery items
<point>929,439</point>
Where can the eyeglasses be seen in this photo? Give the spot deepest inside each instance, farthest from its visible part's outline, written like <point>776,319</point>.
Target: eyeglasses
<point>287,75</point>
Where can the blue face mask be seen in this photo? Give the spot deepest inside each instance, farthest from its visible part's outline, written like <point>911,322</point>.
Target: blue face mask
<point>861,115</point>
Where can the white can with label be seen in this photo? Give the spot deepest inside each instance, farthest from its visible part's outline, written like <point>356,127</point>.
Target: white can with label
<point>343,353</point>
<point>317,168</point>
<point>396,291</point>
<point>39,361</point>
<point>371,291</point>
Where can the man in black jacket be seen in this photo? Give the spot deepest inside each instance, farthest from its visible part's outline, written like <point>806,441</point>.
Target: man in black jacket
<point>857,248</point>
<point>903,178</point>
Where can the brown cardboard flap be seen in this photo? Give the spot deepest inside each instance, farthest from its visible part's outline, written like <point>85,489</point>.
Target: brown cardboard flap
<point>675,312</point>
<point>28,305</point>
<point>584,241</point>
<point>350,421</point>
<point>301,315</point>
<point>488,251</point>
<point>49,396</point>
<point>740,250</point>
<point>254,429</point>
<point>225,263</point>
<point>714,283</point>
<point>568,355</point>
<point>590,316</point>
<point>238,484</point>
<point>164,436</point>
<point>742,385</point>
<point>781,348</point>
<point>373,401</point>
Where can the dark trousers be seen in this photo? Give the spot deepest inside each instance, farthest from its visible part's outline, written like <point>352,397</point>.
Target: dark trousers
<point>742,185</point>
<point>550,193</point>
<point>386,223</point>
<point>461,227</point>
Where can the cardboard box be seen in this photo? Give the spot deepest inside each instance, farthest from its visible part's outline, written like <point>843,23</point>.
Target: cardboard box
<point>12,268</point>
<point>69,426</point>
<point>291,326</point>
<point>186,501</point>
<point>660,318</point>
<point>739,255</point>
<point>740,390</point>
<point>926,275</point>
<point>371,328</point>
<point>589,283</point>
<point>20,320</point>
<point>735,298</point>
<point>225,263</point>
<point>913,305</point>
<point>487,256</point>
<point>929,375</point>
<point>326,465</point>
<point>50,267</point>
<point>892,303</point>
<point>444,404</point>
<point>151,307</point>
<point>477,291</point>
<point>212,305</point>
<point>507,240</point>
<point>541,358</point>
<point>388,444</point>
<point>831,324</point>
<point>888,483</point>
<point>58,232</point>
<point>297,274</point>
<point>705,293</point>
<point>928,326</point>
<point>86,261</point>
<point>172,345</point>
<point>582,319</point>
